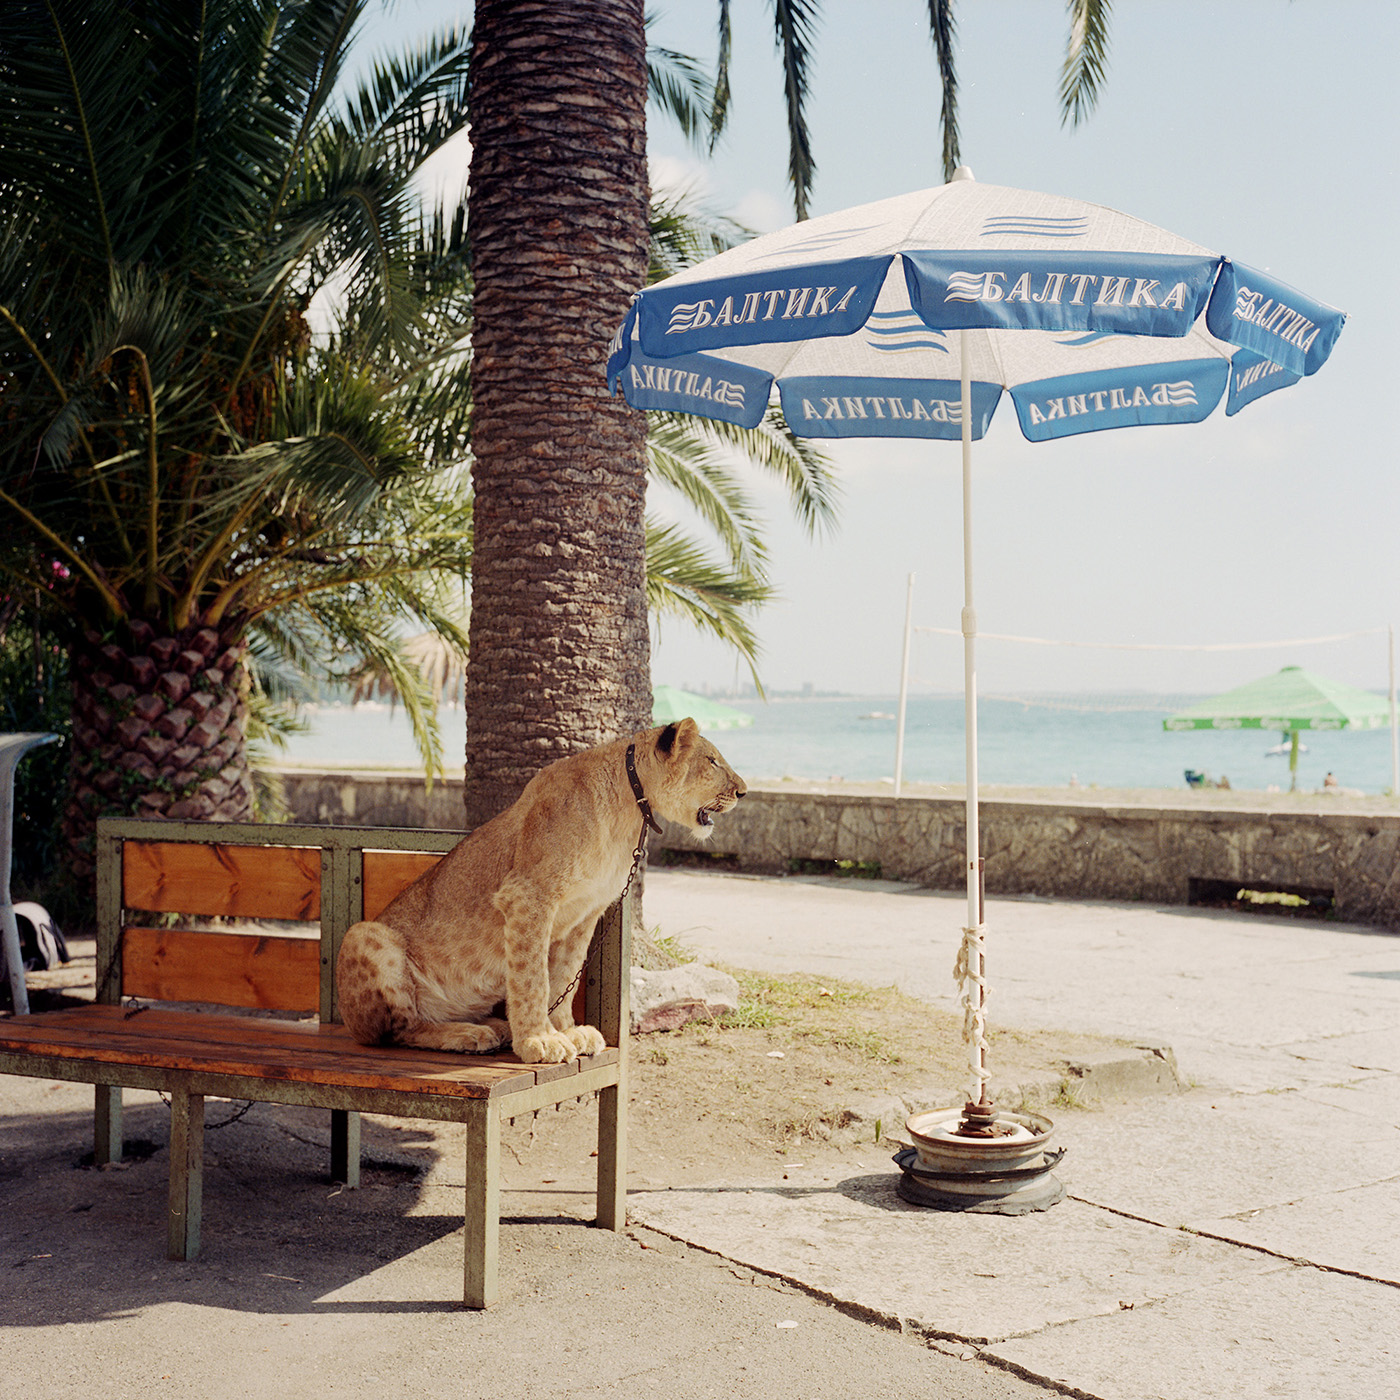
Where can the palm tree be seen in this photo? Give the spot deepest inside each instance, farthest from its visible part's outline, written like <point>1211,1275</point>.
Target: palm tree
<point>558,215</point>
<point>180,462</point>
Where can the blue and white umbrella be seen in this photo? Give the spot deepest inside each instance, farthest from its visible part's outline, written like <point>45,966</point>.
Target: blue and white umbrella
<point>912,316</point>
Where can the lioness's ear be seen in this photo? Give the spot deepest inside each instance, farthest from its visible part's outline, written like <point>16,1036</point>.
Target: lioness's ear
<point>676,737</point>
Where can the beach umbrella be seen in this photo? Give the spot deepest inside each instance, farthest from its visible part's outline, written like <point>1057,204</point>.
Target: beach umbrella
<point>1290,701</point>
<point>910,318</point>
<point>669,704</point>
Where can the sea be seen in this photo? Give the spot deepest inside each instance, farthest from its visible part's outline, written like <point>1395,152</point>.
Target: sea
<point>1105,741</point>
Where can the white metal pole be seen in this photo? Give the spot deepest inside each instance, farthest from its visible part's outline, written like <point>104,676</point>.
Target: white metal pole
<point>976,961</point>
<point>1394,731</point>
<point>969,631</point>
<point>903,689</point>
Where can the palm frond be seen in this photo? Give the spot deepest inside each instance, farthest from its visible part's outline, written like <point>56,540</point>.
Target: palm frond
<point>413,103</point>
<point>772,447</point>
<point>684,581</point>
<point>677,87</point>
<point>794,22</point>
<point>943,32</point>
<point>683,232</point>
<point>682,455</point>
<point>1086,59</point>
<point>719,106</point>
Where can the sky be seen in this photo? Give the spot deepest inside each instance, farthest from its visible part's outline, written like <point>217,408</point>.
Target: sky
<point>1264,129</point>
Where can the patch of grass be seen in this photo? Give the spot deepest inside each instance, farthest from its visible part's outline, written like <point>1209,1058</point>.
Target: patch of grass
<point>673,948</point>
<point>799,1009</point>
<point>866,1042</point>
<point>1037,1098</point>
<point>1288,901</point>
<point>751,1016</point>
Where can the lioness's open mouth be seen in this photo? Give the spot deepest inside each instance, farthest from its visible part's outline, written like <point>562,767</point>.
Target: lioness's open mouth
<point>703,818</point>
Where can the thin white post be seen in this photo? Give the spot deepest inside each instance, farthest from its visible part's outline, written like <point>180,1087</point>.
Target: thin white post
<point>969,631</point>
<point>903,689</point>
<point>1394,731</point>
<point>971,961</point>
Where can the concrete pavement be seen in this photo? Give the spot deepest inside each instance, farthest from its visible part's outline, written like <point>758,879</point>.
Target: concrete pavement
<point>1239,1239</point>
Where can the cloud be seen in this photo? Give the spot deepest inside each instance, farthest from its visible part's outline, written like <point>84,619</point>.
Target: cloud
<point>761,212</point>
<point>673,175</point>
<point>443,176</point>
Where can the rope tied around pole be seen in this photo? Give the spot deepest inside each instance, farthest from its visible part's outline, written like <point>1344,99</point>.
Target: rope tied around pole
<point>973,992</point>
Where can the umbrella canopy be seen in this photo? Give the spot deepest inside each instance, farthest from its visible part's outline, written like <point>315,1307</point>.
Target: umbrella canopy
<point>1090,318</point>
<point>912,316</point>
<point>1293,699</point>
<point>669,704</point>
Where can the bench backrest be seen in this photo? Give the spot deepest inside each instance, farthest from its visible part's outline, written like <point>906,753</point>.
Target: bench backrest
<point>327,877</point>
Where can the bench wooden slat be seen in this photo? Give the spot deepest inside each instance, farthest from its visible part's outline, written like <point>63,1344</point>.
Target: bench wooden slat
<point>290,1051</point>
<point>389,873</point>
<point>254,882</point>
<point>232,969</point>
<point>225,1034</point>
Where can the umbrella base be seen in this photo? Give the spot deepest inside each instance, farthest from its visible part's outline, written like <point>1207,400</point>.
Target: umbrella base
<point>1004,1170</point>
<point>993,1195</point>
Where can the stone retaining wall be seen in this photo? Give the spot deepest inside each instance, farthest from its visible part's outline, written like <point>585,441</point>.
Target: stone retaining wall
<point>1076,850</point>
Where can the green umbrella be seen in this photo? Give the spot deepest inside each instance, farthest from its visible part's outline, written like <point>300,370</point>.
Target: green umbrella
<point>669,704</point>
<point>1290,701</point>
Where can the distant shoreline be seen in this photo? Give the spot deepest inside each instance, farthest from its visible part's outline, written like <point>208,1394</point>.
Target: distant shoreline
<point>1335,800</point>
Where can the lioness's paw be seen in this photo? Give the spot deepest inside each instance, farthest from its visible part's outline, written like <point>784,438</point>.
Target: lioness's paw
<point>551,1048</point>
<point>586,1040</point>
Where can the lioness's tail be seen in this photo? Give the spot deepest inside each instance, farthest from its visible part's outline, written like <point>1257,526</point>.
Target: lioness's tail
<point>373,989</point>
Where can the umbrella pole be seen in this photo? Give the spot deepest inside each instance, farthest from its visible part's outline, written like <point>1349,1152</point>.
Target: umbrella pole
<point>971,964</point>
<point>1293,763</point>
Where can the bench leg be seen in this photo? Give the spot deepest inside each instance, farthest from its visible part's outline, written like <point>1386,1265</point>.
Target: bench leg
<point>107,1125</point>
<point>186,1173</point>
<point>345,1147</point>
<point>612,1157</point>
<point>483,1204</point>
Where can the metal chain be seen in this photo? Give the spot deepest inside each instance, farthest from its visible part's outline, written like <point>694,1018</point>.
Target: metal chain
<point>232,1118</point>
<point>638,855</point>
<point>135,1008</point>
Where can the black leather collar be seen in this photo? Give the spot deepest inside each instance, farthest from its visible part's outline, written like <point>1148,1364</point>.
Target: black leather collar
<point>637,789</point>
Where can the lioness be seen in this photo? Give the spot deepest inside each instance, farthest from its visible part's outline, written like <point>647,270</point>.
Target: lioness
<point>508,914</point>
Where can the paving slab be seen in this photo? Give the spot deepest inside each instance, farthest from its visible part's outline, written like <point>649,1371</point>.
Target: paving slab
<point>962,1276</point>
<point>1286,1333</point>
<point>1356,1230</point>
<point>1202,1155</point>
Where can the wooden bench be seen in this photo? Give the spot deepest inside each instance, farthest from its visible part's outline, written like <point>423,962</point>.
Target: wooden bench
<point>334,875</point>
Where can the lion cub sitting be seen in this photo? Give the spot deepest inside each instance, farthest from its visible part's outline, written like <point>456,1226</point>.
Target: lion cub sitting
<point>509,913</point>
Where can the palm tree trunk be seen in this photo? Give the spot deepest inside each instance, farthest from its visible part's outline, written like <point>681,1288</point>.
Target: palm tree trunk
<point>558,223</point>
<point>159,730</point>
